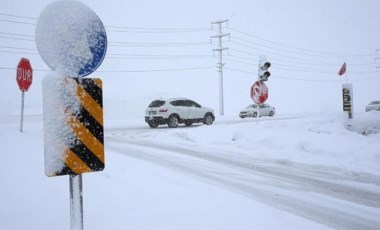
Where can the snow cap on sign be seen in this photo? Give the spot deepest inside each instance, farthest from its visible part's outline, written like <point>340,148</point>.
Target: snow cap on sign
<point>59,101</point>
<point>70,38</point>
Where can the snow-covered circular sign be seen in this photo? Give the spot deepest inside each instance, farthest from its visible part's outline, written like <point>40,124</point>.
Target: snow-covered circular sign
<point>71,38</point>
<point>259,92</point>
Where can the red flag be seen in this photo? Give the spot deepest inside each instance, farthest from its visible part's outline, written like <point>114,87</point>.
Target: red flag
<point>342,69</point>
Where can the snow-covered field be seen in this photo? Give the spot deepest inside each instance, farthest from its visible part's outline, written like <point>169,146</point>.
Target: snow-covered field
<point>269,173</point>
<point>307,167</point>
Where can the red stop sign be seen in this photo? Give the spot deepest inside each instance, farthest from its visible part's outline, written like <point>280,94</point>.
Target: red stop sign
<point>24,74</point>
<point>259,92</point>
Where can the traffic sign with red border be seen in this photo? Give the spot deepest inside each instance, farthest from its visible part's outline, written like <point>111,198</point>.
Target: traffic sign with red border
<point>259,92</point>
<point>24,76</point>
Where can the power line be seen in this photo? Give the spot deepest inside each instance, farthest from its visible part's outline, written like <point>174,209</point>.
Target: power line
<point>156,70</point>
<point>301,79</point>
<point>144,56</point>
<point>17,16</point>
<point>117,55</point>
<point>129,29</point>
<point>137,44</point>
<point>289,59</point>
<point>11,21</point>
<point>23,39</point>
<point>130,71</point>
<point>21,35</point>
<point>311,54</point>
<point>18,48</point>
<point>158,44</point>
<point>17,52</point>
<point>119,29</point>
<point>246,43</point>
<point>277,54</point>
<point>294,47</point>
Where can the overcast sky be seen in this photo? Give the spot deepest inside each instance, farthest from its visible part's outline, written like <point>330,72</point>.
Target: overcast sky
<point>304,40</point>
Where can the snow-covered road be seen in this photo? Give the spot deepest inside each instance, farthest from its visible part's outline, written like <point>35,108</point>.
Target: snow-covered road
<point>332,196</point>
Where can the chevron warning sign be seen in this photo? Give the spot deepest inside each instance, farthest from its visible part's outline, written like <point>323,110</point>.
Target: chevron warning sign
<point>73,126</point>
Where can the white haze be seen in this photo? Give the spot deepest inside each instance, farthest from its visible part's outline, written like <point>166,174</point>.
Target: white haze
<point>164,189</point>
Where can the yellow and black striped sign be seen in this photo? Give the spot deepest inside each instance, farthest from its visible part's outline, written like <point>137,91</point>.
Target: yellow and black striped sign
<point>85,151</point>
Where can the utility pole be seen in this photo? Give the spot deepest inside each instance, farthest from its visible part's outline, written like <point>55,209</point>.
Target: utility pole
<point>220,49</point>
<point>377,59</point>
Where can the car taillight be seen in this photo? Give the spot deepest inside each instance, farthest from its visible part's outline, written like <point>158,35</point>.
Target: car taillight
<point>163,110</point>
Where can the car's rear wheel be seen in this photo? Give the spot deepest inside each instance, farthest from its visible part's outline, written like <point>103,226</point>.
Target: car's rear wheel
<point>173,121</point>
<point>208,119</point>
<point>152,124</point>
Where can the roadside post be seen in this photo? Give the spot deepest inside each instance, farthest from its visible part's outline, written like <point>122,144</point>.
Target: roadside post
<point>259,91</point>
<point>72,104</point>
<point>347,95</point>
<point>24,78</point>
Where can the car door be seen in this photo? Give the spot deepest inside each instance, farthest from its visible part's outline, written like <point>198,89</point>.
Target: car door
<point>181,109</point>
<point>264,110</point>
<point>194,109</point>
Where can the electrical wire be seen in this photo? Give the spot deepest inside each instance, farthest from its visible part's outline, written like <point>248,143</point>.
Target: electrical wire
<point>158,44</point>
<point>276,49</point>
<point>130,71</point>
<point>294,47</point>
<point>17,16</point>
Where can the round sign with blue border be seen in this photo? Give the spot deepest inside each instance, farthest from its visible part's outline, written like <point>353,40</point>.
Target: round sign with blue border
<point>71,38</point>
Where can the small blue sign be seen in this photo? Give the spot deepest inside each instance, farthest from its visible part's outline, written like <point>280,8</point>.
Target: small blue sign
<point>71,42</point>
<point>98,51</point>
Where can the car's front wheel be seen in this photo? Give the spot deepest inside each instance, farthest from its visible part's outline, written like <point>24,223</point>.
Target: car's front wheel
<point>208,119</point>
<point>254,115</point>
<point>152,124</point>
<point>271,113</point>
<point>173,121</point>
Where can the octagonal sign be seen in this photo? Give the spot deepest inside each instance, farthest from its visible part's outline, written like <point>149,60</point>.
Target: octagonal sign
<point>24,76</point>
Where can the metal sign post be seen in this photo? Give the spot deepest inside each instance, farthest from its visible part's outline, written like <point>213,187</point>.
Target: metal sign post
<point>75,110</point>
<point>22,110</point>
<point>24,78</point>
<point>76,202</point>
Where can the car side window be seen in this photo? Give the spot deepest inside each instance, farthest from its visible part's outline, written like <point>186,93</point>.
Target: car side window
<point>194,104</point>
<point>189,103</point>
<point>156,103</point>
<point>181,103</point>
<point>177,103</point>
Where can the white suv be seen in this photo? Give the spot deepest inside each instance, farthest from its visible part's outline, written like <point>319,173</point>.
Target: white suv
<point>177,110</point>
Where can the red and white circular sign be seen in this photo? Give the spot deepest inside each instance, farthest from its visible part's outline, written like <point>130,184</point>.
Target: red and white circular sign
<point>259,92</point>
<point>24,75</point>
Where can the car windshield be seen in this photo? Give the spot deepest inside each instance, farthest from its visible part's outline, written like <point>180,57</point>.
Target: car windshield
<point>251,106</point>
<point>156,103</point>
<point>375,102</point>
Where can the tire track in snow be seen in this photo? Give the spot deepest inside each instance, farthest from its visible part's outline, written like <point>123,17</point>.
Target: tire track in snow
<point>279,185</point>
